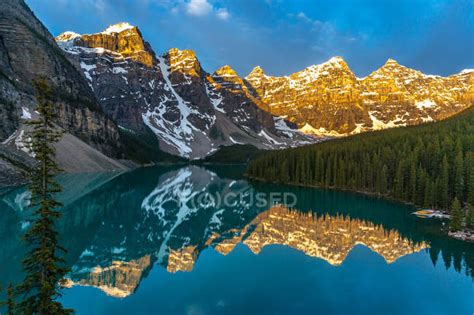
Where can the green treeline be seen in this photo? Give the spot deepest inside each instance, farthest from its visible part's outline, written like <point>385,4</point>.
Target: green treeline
<point>429,165</point>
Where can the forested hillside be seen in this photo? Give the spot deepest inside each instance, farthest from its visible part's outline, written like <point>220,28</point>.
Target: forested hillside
<point>429,165</point>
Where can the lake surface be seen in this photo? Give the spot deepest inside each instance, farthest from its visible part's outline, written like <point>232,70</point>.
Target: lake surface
<point>193,240</point>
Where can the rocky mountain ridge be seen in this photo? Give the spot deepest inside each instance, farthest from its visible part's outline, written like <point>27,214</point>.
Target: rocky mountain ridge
<point>328,99</point>
<point>191,112</point>
<point>222,108</point>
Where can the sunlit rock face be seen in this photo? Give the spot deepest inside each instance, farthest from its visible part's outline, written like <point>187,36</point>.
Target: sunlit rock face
<point>121,38</point>
<point>328,99</point>
<point>119,280</point>
<point>184,62</point>
<point>191,112</point>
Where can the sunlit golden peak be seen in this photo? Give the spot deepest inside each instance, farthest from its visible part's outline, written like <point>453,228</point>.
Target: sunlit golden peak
<point>66,36</point>
<point>225,71</point>
<point>391,62</point>
<point>187,52</point>
<point>184,61</point>
<point>256,72</point>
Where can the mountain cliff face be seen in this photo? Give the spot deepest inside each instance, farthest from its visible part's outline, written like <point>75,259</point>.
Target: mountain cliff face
<point>191,112</point>
<point>27,52</point>
<point>328,99</point>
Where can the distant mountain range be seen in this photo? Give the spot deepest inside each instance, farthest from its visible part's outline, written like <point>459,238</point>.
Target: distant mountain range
<point>193,112</point>
<point>118,100</point>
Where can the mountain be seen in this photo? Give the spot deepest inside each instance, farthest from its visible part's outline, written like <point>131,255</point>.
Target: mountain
<point>329,100</point>
<point>191,112</point>
<point>28,51</point>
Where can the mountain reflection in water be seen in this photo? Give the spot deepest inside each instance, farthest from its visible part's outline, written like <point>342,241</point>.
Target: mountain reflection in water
<point>117,227</point>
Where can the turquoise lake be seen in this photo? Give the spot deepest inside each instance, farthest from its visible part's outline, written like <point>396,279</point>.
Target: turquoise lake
<point>203,240</point>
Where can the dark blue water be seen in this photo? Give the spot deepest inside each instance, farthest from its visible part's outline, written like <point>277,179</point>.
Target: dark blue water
<point>171,240</point>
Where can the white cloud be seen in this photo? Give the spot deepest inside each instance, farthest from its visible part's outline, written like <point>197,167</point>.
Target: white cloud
<point>198,7</point>
<point>202,8</point>
<point>303,17</point>
<point>222,14</point>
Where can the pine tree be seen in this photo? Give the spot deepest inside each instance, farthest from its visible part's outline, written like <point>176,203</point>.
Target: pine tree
<point>9,303</point>
<point>459,172</point>
<point>428,200</point>
<point>413,188</point>
<point>399,182</point>
<point>43,264</point>
<point>383,180</point>
<point>10,300</point>
<point>444,184</point>
<point>456,216</point>
<point>470,184</point>
<point>470,216</point>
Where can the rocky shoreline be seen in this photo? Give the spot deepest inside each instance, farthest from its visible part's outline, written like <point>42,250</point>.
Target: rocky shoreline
<point>466,235</point>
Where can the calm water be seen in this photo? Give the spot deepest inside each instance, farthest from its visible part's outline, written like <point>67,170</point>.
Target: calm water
<point>192,240</point>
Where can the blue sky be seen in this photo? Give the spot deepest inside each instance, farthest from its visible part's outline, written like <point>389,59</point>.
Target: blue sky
<point>284,36</point>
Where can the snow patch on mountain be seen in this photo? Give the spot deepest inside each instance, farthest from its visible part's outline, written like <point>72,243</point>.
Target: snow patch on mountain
<point>467,71</point>
<point>25,113</point>
<point>178,134</point>
<point>379,124</point>
<point>215,98</point>
<point>23,143</point>
<point>118,28</point>
<point>234,141</point>
<point>308,129</point>
<point>425,104</point>
<point>267,137</point>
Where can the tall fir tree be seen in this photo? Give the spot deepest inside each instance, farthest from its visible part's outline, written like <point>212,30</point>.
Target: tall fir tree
<point>9,303</point>
<point>470,183</point>
<point>470,216</point>
<point>44,264</point>
<point>459,172</point>
<point>455,223</point>
<point>443,184</point>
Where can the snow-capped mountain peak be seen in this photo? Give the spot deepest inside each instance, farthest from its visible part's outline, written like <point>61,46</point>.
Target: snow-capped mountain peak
<point>66,36</point>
